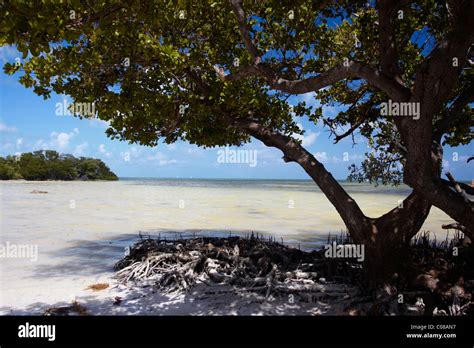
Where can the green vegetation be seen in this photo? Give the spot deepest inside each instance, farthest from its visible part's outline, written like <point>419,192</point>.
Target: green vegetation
<point>50,165</point>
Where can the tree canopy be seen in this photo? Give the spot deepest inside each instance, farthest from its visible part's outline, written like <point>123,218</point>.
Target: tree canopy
<point>142,64</point>
<point>50,165</point>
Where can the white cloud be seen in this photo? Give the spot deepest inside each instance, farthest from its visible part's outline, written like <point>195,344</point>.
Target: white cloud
<point>167,162</point>
<point>133,153</point>
<point>61,140</point>
<point>41,144</point>
<point>9,54</point>
<point>345,157</point>
<point>79,149</point>
<point>161,159</point>
<point>308,139</point>
<point>356,157</point>
<point>321,156</point>
<point>125,156</point>
<point>331,111</point>
<point>268,156</point>
<point>19,142</point>
<point>195,151</point>
<point>6,129</point>
<point>103,151</point>
<point>308,98</point>
<point>95,122</point>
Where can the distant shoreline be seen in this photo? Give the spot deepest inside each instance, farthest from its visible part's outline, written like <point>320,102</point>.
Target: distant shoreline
<point>132,178</point>
<point>58,180</point>
<point>126,178</point>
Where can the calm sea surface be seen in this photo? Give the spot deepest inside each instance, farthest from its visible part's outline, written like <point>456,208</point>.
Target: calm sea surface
<point>292,210</point>
<point>82,228</point>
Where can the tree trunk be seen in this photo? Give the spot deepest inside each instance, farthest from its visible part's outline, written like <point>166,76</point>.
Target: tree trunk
<point>422,173</point>
<point>387,246</point>
<point>385,238</point>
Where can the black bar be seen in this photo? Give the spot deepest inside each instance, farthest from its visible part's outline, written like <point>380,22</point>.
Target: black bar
<point>139,330</point>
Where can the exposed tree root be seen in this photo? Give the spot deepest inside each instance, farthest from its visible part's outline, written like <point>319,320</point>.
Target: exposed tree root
<point>246,264</point>
<point>436,282</point>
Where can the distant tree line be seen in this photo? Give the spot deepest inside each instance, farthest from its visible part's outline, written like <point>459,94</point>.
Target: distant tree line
<point>50,165</point>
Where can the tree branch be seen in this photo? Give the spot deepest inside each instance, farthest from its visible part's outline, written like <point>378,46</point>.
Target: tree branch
<point>94,17</point>
<point>434,83</point>
<point>437,76</point>
<point>339,137</point>
<point>454,112</point>
<point>468,189</point>
<point>388,51</point>
<point>350,70</point>
<point>312,84</point>
<point>244,29</point>
<point>458,207</point>
<point>456,186</point>
<point>357,223</point>
<point>357,124</point>
<point>454,226</point>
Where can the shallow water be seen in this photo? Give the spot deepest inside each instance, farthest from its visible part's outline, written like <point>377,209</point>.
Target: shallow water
<point>82,228</point>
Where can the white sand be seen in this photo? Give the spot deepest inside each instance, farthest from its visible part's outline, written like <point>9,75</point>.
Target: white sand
<point>137,300</point>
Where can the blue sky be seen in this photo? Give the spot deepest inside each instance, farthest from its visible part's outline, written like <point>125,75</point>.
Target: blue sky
<point>29,123</point>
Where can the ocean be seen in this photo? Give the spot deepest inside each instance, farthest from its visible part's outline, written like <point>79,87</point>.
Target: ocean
<point>295,210</point>
<point>80,229</point>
